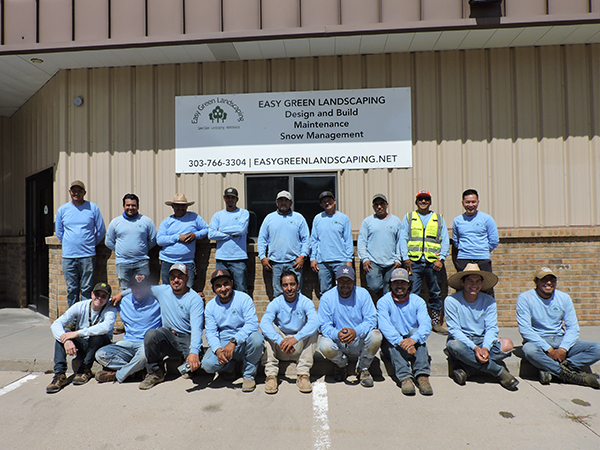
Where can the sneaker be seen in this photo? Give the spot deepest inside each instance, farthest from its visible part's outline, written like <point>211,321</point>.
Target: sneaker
<point>58,382</point>
<point>408,387</point>
<point>271,386</point>
<point>104,376</point>
<point>366,380</point>
<point>545,377</point>
<point>424,385</point>
<point>507,380</point>
<point>340,373</point>
<point>248,385</point>
<point>436,323</point>
<point>460,376</point>
<point>152,379</point>
<point>303,382</point>
<point>83,377</point>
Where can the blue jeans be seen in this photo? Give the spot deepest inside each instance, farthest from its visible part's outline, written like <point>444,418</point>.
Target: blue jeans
<point>79,276</point>
<point>378,279</point>
<point>238,271</point>
<point>433,278</point>
<point>278,268</point>
<point>86,349</point>
<point>126,357</point>
<point>580,356</point>
<point>163,342</point>
<point>465,355</point>
<point>166,266</point>
<point>249,351</point>
<point>327,274</point>
<point>125,271</point>
<point>402,360</point>
<point>365,349</point>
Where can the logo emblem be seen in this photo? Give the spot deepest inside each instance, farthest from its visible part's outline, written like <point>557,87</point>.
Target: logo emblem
<point>218,114</point>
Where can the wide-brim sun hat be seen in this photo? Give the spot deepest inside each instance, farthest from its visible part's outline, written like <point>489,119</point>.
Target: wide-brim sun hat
<point>179,199</point>
<point>489,279</point>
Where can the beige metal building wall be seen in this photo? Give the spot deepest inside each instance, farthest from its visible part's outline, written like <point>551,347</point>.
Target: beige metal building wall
<point>520,125</point>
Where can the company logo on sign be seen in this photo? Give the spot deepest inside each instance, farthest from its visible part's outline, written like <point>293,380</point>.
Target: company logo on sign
<point>218,114</point>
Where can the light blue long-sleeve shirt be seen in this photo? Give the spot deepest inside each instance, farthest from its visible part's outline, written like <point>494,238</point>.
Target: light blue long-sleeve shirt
<point>182,313</point>
<point>397,320</point>
<point>538,318</point>
<point>169,231</point>
<point>230,230</point>
<point>79,314</point>
<point>331,238</point>
<point>139,317</point>
<point>286,237</point>
<point>79,229</point>
<point>405,236</point>
<point>379,240</point>
<point>298,319</point>
<point>475,236</point>
<point>356,312</point>
<point>470,320</point>
<point>130,238</point>
<point>234,319</point>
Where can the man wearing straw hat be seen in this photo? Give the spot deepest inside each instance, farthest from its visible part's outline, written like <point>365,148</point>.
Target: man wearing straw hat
<point>177,236</point>
<point>473,329</point>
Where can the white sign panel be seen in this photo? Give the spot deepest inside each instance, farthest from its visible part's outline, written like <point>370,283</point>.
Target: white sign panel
<point>294,131</point>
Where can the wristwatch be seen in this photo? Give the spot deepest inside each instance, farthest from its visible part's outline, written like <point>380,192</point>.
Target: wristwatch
<point>233,340</point>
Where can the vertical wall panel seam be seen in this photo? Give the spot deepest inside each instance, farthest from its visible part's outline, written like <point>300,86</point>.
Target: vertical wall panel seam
<point>539,131</point>
<point>487,75</point>
<point>514,130</point>
<point>415,110</point>
<point>565,130</point>
<point>592,131</point>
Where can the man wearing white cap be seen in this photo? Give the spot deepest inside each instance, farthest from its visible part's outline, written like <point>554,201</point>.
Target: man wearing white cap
<point>177,236</point>
<point>283,241</point>
<point>80,228</point>
<point>348,324</point>
<point>405,325</point>
<point>548,324</point>
<point>473,328</point>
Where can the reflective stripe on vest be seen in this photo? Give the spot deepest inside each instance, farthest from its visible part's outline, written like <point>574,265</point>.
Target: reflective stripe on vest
<point>428,243</point>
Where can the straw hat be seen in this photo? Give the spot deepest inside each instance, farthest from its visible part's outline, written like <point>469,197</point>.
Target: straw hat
<point>489,279</point>
<point>179,199</point>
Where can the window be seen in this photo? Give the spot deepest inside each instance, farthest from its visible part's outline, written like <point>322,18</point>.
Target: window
<point>261,191</point>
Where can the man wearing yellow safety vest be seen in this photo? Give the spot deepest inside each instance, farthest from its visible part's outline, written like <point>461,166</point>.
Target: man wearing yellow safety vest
<point>424,245</point>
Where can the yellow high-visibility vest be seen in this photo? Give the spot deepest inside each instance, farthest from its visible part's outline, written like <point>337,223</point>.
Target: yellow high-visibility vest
<point>426,242</point>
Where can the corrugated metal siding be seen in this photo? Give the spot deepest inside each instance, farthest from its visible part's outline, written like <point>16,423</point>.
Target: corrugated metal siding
<point>519,125</point>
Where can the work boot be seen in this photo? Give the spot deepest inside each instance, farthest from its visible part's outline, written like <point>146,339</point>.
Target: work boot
<point>545,377</point>
<point>303,382</point>
<point>340,373</point>
<point>152,379</point>
<point>408,387</point>
<point>58,382</point>
<point>507,380</point>
<point>105,376</point>
<point>83,377</point>
<point>582,378</point>
<point>424,385</point>
<point>248,385</point>
<point>460,376</point>
<point>436,323</point>
<point>366,380</point>
<point>271,385</point>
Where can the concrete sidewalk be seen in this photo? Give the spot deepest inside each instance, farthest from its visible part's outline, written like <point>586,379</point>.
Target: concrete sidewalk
<point>26,344</point>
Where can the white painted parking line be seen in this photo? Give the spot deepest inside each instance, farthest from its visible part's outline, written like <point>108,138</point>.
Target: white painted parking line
<point>320,412</point>
<point>16,384</point>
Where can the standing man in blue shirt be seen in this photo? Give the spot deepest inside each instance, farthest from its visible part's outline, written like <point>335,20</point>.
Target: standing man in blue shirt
<point>140,312</point>
<point>177,236</point>
<point>548,324</point>
<point>285,234</point>
<point>229,227</point>
<point>473,343</point>
<point>379,246</point>
<point>290,326</point>
<point>348,325</point>
<point>424,246</point>
<point>405,325</point>
<point>80,228</point>
<point>232,331</point>
<point>475,235</point>
<point>330,242</point>
<point>131,236</point>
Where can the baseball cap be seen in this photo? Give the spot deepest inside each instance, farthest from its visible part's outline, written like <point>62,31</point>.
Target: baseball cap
<point>423,194</point>
<point>345,271</point>
<point>139,279</point>
<point>381,196</point>
<point>220,273</point>
<point>400,275</point>
<point>326,194</point>
<point>78,183</point>
<point>103,287</point>
<point>284,194</point>
<point>179,266</point>
<point>231,191</point>
<point>543,272</point>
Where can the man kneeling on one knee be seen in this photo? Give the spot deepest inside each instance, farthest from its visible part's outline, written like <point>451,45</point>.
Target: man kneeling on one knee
<point>348,320</point>
<point>473,328</point>
<point>290,326</point>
